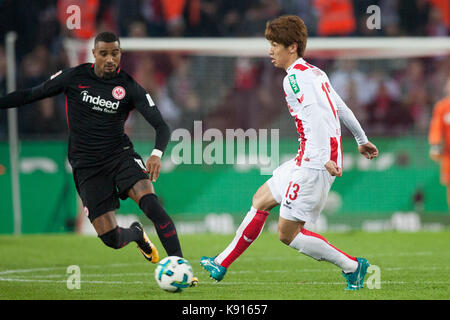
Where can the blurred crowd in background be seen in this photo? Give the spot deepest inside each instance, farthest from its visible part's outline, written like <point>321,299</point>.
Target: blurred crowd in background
<point>389,96</point>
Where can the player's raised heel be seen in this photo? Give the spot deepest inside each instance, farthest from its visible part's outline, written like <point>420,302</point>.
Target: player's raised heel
<point>146,247</point>
<point>216,271</point>
<point>355,280</point>
<point>194,282</point>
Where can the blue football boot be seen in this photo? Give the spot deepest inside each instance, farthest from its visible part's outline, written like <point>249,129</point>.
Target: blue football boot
<point>216,271</point>
<point>355,280</point>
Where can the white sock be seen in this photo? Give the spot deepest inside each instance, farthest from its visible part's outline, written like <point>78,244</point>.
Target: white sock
<point>317,247</point>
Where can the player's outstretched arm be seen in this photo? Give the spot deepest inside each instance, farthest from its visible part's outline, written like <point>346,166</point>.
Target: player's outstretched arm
<point>16,99</point>
<point>49,88</point>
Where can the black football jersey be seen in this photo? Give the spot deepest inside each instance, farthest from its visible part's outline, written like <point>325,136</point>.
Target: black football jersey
<point>96,111</point>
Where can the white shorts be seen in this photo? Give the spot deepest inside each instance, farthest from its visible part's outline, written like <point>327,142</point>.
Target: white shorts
<point>301,192</point>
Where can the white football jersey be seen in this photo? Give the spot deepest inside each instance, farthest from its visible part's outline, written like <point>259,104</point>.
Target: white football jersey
<point>317,110</point>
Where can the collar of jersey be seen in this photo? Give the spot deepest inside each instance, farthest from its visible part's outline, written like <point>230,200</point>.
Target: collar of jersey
<point>299,60</point>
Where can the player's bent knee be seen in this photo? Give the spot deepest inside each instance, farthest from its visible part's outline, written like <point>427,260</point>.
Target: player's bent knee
<point>149,203</point>
<point>141,189</point>
<point>111,239</point>
<point>263,199</point>
<point>153,209</point>
<point>286,239</point>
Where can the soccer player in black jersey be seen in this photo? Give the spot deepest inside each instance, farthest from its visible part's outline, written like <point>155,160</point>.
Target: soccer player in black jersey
<point>99,97</point>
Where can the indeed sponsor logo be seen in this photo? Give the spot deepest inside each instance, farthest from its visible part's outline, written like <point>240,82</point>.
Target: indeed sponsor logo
<point>98,101</point>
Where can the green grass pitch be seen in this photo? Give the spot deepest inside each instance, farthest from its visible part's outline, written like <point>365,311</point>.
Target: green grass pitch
<point>411,265</point>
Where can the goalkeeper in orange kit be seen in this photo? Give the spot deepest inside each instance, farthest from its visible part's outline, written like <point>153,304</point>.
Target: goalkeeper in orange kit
<point>439,137</point>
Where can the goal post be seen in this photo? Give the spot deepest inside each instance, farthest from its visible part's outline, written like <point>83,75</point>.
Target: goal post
<point>13,139</point>
<point>336,47</point>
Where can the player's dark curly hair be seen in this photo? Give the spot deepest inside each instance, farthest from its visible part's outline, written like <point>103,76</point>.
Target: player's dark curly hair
<point>106,36</point>
<point>287,30</point>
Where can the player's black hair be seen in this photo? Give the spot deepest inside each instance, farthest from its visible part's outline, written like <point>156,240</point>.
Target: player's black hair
<point>106,36</point>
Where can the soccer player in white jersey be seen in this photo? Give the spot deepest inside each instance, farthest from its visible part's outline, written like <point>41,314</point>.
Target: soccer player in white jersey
<point>300,186</point>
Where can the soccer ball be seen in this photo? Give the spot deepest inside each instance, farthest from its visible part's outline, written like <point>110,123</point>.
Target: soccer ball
<point>173,274</point>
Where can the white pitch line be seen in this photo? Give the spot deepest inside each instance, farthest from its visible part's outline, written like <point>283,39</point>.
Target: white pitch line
<point>401,254</point>
<point>30,270</point>
<point>234,283</point>
<point>65,281</point>
<point>104,275</point>
<point>114,265</point>
<point>17,275</point>
<point>320,283</point>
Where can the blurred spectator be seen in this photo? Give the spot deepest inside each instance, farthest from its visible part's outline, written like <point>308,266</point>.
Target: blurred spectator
<point>256,17</point>
<point>437,77</point>
<point>353,86</point>
<point>244,101</point>
<point>180,15</point>
<point>436,25</point>
<point>386,113</point>
<point>173,16</point>
<point>23,18</point>
<point>130,11</point>
<point>413,16</point>
<point>48,25</point>
<point>362,16</point>
<point>390,22</point>
<point>413,88</point>
<point>232,14</point>
<point>444,7</point>
<point>209,15</point>
<point>181,87</point>
<point>106,17</point>
<point>379,110</point>
<point>304,9</point>
<point>88,17</point>
<point>152,79</point>
<point>32,71</point>
<point>412,79</point>
<point>131,60</point>
<point>417,108</point>
<point>46,119</point>
<point>335,17</point>
<point>3,117</point>
<point>233,92</point>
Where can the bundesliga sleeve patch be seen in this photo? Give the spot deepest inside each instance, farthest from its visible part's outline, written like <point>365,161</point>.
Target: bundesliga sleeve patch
<point>150,100</point>
<point>293,83</point>
<point>55,75</point>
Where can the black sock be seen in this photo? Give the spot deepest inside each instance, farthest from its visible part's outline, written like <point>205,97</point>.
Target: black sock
<point>164,225</point>
<point>120,237</point>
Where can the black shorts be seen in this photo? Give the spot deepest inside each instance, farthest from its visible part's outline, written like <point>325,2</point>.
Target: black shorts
<point>101,187</point>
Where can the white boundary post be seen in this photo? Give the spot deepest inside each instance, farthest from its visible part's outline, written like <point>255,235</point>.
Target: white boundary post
<point>12,131</point>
